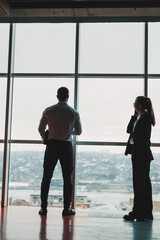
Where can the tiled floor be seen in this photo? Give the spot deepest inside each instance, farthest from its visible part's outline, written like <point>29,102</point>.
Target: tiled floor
<point>24,223</point>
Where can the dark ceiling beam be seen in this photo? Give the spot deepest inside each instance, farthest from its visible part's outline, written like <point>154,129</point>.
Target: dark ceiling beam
<point>4,6</point>
<point>83,4</point>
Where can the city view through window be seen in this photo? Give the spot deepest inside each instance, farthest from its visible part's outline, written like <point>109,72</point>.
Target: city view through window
<point>110,76</point>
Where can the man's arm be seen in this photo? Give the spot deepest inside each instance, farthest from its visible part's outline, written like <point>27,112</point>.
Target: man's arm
<point>77,130</point>
<point>42,125</point>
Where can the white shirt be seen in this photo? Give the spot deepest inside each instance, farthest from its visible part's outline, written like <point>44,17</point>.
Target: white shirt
<point>134,125</point>
<point>62,120</point>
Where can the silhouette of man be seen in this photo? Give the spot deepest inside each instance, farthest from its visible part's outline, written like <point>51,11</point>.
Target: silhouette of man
<point>63,122</point>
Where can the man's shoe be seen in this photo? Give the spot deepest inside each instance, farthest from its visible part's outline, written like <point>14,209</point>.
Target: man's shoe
<point>68,212</point>
<point>43,211</point>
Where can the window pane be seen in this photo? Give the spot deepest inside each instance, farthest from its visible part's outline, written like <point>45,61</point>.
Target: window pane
<point>3,83</point>
<point>31,97</point>
<point>112,48</point>
<point>154,48</point>
<point>104,180</point>
<point>42,48</point>
<point>105,106</point>
<point>1,167</point>
<point>4,41</point>
<point>155,176</point>
<point>154,86</point>
<point>26,172</point>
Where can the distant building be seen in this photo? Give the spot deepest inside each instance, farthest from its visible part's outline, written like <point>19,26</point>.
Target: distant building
<point>19,202</point>
<point>57,201</point>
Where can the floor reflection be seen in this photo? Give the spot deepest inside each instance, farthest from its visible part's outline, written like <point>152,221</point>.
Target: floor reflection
<point>42,232</point>
<point>67,232</point>
<point>68,228</point>
<point>3,223</point>
<point>141,230</point>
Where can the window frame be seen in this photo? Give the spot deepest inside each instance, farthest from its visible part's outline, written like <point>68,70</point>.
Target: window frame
<point>10,81</point>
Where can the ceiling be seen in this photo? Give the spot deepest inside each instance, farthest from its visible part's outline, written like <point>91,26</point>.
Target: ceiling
<point>16,9</point>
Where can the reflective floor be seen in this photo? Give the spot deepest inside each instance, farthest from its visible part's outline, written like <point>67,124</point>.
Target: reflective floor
<point>24,223</point>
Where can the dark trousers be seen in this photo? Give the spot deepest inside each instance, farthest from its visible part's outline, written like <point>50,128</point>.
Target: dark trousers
<point>142,187</point>
<point>63,151</point>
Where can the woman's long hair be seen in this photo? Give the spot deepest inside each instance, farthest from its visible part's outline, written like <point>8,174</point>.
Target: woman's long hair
<point>146,104</point>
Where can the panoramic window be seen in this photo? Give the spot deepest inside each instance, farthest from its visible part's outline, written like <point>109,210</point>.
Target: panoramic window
<point>45,48</point>
<point>153,91</point>
<point>39,48</point>
<point>105,104</point>
<point>31,97</point>
<point>4,41</point>
<point>155,178</point>
<point>3,84</point>
<point>112,48</point>
<point>104,177</point>
<point>153,48</point>
<point>26,172</point>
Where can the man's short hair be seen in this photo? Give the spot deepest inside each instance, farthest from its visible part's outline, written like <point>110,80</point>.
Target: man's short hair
<point>63,93</point>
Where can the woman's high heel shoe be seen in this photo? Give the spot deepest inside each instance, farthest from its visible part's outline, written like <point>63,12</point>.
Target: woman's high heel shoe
<point>132,218</point>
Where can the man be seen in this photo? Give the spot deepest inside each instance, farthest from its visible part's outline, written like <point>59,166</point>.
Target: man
<point>63,121</point>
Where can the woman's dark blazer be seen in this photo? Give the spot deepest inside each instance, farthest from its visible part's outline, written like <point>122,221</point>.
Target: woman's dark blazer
<point>141,137</point>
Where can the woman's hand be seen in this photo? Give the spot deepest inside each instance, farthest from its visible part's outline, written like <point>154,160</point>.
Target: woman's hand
<point>135,113</point>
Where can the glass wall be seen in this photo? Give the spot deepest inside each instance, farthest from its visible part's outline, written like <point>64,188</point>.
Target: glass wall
<point>110,77</point>
<point>154,48</point>
<point>154,85</point>
<point>112,48</point>
<point>3,85</point>
<point>31,97</point>
<point>45,48</point>
<point>104,177</point>
<point>26,172</point>
<point>4,40</point>
<point>102,102</point>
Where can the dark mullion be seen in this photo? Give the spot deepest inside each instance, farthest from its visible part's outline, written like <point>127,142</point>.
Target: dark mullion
<point>8,118</point>
<point>154,76</point>
<point>43,75</point>
<point>146,61</point>
<point>3,75</point>
<point>125,76</point>
<point>79,75</point>
<point>75,106</point>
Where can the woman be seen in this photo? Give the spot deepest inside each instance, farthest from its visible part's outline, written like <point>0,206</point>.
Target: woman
<point>138,146</point>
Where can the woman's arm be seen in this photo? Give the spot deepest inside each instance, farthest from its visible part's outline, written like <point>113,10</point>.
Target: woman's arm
<point>131,123</point>
<point>142,132</point>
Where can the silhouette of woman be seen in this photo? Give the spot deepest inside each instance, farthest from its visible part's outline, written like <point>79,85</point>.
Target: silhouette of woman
<point>138,146</point>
